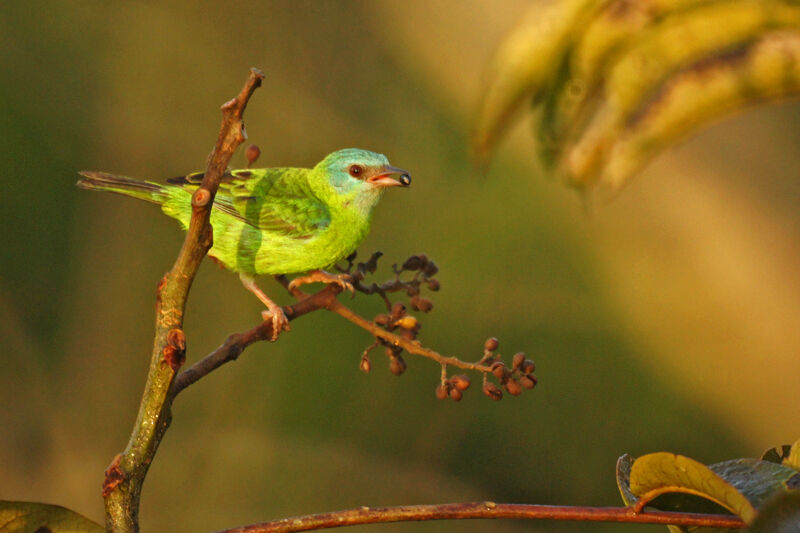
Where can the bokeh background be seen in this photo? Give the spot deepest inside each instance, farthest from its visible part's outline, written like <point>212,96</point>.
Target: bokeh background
<point>665,319</point>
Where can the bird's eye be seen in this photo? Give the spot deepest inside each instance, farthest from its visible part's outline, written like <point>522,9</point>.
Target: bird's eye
<point>356,170</point>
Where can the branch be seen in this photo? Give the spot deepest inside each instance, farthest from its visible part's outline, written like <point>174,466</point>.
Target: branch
<point>486,510</point>
<point>235,344</point>
<point>513,379</point>
<point>124,478</point>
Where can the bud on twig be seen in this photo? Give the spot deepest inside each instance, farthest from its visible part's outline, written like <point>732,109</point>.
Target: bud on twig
<point>528,381</point>
<point>513,387</point>
<point>492,391</point>
<point>461,382</point>
<point>455,394</point>
<point>413,263</point>
<point>398,310</point>
<point>421,304</point>
<point>442,391</point>
<point>397,365</point>
<point>499,370</point>
<point>252,153</point>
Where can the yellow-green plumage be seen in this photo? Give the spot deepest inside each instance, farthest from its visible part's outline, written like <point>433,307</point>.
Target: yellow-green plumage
<point>277,220</point>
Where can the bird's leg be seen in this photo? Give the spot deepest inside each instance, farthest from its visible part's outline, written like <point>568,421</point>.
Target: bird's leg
<point>320,276</point>
<point>274,311</point>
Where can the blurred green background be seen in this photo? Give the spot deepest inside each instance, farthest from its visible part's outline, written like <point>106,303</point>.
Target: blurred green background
<point>664,320</point>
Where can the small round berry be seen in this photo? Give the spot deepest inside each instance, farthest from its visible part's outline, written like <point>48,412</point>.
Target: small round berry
<point>513,387</point>
<point>442,391</point>
<point>397,366</point>
<point>456,394</point>
<point>461,382</point>
<point>492,391</point>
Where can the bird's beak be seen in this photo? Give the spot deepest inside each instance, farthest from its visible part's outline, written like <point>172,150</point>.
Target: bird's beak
<point>390,176</point>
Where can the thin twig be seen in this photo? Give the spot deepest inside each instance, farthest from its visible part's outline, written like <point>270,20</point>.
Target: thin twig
<point>486,510</point>
<point>124,478</point>
<point>235,344</point>
<point>411,346</point>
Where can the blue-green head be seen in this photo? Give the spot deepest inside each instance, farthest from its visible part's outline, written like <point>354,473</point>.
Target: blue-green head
<point>353,172</point>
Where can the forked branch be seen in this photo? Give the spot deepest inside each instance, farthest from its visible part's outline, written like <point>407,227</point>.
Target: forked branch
<point>124,478</point>
<point>396,331</point>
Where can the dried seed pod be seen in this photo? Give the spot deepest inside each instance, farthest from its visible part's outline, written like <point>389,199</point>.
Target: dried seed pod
<point>413,263</point>
<point>433,284</point>
<point>528,382</point>
<point>492,391</point>
<point>513,387</point>
<point>455,394</point>
<point>461,382</point>
<point>421,304</point>
<point>383,319</point>
<point>398,310</point>
<point>491,344</point>
<point>412,291</point>
<point>442,391</point>
<point>372,263</point>
<point>430,269</point>
<point>499,370</point>
<point>397,365</point>
<point>365,364</point>
<point>517,360</point>
<point>528,367</point>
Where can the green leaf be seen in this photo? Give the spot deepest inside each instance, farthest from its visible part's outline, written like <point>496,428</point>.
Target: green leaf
<point>26,517</point>
<point>757,480</point>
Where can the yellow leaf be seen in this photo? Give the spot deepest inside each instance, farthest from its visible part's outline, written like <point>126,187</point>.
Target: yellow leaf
<point>26,517</point>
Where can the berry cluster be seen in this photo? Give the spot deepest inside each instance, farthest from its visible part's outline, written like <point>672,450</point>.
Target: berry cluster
<point>403,329</point>
<point>513,380</point>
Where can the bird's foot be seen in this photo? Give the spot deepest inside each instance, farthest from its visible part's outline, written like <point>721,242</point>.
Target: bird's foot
<point>273,312</point>
<point>279,321</point>
<point>320,276</point>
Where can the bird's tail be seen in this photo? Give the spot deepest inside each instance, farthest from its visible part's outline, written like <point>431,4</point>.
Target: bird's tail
<point>102,181</point>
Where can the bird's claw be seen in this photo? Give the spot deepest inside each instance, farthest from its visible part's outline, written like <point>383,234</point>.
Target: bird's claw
<point>279,321</point>
<point>342,280</point>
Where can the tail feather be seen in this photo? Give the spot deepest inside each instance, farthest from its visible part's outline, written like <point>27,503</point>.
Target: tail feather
<point>103,181</point>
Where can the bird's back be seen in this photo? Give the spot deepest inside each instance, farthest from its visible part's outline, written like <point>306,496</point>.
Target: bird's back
<point>270,221</point>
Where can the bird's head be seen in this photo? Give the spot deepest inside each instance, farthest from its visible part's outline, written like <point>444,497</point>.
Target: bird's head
<point>360,175</point>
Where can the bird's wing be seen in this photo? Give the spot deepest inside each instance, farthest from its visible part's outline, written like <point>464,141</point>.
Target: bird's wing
<point>273,200</point>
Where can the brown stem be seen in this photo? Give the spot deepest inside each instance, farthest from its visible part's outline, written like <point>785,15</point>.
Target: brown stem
<point>236,343</point>
<point>124,478</point>
<point>413,347</point>
<point>486,510</point>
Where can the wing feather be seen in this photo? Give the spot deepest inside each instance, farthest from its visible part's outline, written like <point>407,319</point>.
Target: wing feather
<point>272,200</point>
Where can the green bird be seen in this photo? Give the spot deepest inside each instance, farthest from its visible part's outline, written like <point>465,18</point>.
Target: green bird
<point>278,220</point>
